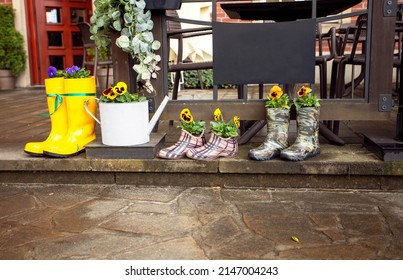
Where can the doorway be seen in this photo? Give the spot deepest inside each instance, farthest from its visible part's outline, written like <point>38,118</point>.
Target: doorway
<point>53,36</point>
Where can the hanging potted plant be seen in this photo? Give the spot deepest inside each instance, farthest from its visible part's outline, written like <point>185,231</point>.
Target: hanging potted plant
<point>124,116</point>
<point>12,53</point>
<point>133,21</point>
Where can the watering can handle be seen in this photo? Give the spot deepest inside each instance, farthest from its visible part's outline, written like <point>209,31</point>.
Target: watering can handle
<point>88,111</point>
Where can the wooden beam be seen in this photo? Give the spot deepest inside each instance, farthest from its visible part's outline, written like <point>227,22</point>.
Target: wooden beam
<point>254,110</point>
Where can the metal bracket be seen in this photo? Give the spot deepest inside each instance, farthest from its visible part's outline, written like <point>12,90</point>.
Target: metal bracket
<point>151,104</point>
<point>385,103</point>
<point>389,8</point>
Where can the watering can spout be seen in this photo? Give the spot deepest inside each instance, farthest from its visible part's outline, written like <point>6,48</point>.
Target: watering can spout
<point>157,114</point>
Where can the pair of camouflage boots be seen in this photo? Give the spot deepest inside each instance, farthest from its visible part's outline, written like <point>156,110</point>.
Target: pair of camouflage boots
<point>276,143</point>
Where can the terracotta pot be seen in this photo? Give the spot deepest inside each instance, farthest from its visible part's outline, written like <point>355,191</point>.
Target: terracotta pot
<point>7,81</point>
<point>101,77</point>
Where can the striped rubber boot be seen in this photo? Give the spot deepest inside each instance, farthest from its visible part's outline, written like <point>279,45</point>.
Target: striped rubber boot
<point>186,142</point>
<point>216,147</point>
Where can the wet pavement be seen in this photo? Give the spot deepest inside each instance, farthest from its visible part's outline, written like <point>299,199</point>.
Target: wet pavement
<point>45,222</point>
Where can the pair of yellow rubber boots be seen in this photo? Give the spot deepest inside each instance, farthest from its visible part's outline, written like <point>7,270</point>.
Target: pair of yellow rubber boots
<point>71,126</point>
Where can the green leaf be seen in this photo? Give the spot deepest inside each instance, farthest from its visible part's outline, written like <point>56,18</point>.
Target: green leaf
<point>123,42</point>
<point>116,15</point>
<point>141,4</point>
<point>117,26</point>
<point>127,18</point>
<point>148,37</point>
<point>156,45</point>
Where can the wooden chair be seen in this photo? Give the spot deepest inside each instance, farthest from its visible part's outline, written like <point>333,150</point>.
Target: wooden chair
<point>175,31</point>
<point>352,52</point>
<point>325,41</point>
<point>90,44</point>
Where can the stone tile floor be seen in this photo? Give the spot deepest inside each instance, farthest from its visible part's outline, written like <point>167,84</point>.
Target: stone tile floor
<point>100,222</point>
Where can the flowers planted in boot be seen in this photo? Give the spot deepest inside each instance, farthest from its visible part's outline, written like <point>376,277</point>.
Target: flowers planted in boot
<point>192,136</point>
<point>278,120</point>
<point>307,143</point>
<point>216,147</point>
<point>222,142</point>
<point>54,87</point>
<point>78,86</point>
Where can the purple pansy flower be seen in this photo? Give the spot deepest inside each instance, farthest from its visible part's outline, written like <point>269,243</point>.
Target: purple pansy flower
<point>73,69</point>
<point>52,72</point>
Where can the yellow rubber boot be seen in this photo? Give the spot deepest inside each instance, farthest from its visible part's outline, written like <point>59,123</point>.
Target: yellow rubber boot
<point>58,117</point>
<point>81,126</point>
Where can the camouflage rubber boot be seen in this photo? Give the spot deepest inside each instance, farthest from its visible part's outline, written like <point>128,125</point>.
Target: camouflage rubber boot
<point>307,143</point>
<point>278,121</point>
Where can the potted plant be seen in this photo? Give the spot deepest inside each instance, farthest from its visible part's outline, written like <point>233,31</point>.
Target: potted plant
<point>133,22</point>
<point>71,127</point>
<point>307,143</point>
<point>278,106</point>
<point>124,116</point>
<point>104,74</point>
<point>192,136</point>
<point>222,142</point>
<point>12,53</point>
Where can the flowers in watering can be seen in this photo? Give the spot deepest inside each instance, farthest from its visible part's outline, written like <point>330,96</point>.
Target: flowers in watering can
<point>223,128</point>
<point>305,98</point>
<point>189,124</point>
<point>73,72</point>
<point>278,99</point>
<point>120,94</point>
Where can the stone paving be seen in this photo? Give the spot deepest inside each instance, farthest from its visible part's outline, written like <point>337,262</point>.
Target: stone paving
<point>108,222</point>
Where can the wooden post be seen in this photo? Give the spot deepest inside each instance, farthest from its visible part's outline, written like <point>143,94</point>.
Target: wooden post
<point>159,84</point>
<point>381,52</point>
<point>122,64</point>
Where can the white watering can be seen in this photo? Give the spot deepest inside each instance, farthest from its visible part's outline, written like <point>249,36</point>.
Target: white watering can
<point>126,124</point>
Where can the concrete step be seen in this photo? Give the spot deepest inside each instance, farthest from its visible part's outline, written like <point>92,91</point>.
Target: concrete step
<point>348,167</point>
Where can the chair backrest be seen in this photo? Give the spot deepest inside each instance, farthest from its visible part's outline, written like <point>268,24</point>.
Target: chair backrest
<point>173,25</point>
<point>326,41</point>
<point>86,34</point>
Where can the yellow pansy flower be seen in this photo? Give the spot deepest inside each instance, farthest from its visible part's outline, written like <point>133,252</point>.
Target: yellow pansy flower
<point>217,114</point>
<point>186,116</point>
<point>120,88</point>
<point>237,121</point>
<point>107,91</point>
<point>303,91</point>
<point>275,92</point>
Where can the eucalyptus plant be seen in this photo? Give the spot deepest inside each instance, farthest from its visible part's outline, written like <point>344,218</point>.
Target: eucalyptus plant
<point>134,23</point>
